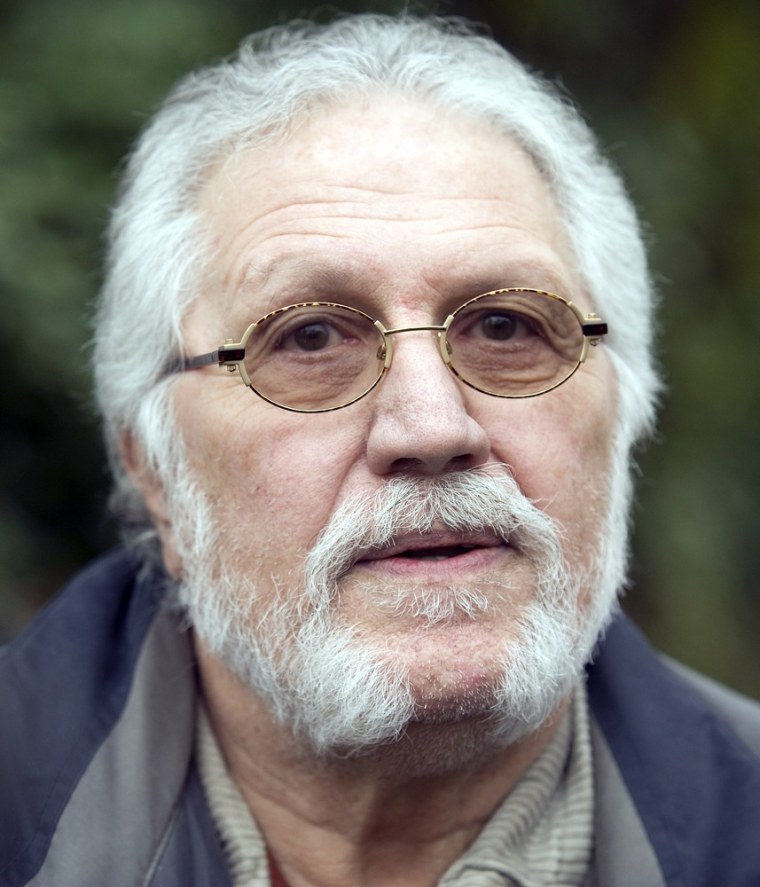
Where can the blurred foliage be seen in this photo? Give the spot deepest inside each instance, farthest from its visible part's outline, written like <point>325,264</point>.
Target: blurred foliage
<point>670,86</point>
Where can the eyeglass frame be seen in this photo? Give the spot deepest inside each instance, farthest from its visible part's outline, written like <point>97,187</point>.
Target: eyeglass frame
<point>231,355</point>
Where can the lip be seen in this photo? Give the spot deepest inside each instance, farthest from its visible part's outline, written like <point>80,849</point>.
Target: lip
<point>449,553</point>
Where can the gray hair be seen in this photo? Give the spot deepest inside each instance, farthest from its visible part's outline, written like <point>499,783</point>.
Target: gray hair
<point>158,246</point>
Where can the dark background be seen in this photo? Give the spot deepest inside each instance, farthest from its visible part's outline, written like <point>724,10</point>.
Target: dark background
<point>671,88</point>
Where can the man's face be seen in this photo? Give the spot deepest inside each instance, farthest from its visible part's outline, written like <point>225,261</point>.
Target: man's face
<point>404,214</point>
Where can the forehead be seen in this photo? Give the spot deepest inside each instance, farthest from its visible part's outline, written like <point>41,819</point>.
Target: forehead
<point>391,193</point>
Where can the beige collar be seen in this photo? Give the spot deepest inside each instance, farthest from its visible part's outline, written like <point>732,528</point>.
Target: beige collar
<point>541,834</point>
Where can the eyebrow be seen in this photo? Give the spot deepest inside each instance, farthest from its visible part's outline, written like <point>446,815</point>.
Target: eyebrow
<point>326,278</point>
<point>297,273</point>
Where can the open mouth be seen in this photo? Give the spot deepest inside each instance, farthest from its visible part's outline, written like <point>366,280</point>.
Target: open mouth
<point>434,547</point>
<point>441,553</point>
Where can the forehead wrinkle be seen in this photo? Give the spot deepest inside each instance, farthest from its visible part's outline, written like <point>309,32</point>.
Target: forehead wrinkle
<point>260,269</point>
<point>447,225</point>
<point>328,267</point>
<point>305,265</point>
<point>405,206</point>
<point>270,281</point>
<point>319,273</point>
<point>326,203</point>
<point>417,205</point>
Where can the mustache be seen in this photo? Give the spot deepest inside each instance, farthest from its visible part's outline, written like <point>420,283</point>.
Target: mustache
<point>486,499</point>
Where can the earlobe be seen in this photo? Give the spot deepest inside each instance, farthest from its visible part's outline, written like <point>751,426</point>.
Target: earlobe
<point>151,489</point>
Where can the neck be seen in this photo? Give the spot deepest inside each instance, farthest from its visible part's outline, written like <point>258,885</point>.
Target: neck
<point>398,814</point>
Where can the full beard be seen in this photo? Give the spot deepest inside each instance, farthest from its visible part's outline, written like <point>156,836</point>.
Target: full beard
<point>339,692</point>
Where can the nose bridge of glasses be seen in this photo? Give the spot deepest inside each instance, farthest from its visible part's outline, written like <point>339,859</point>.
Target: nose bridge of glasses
<point>437,328</point>
<point>441,329</point>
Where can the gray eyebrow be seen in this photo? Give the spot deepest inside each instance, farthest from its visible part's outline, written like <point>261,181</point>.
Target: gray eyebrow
<point>301,271</point>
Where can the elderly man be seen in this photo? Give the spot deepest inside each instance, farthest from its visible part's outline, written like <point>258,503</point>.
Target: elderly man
<point>372,354</point>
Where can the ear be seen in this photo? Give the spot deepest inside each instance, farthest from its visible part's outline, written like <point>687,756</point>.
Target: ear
<point>148,484</point>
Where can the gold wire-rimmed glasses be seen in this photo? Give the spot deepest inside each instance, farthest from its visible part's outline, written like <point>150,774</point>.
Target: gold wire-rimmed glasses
<point>313,357</point>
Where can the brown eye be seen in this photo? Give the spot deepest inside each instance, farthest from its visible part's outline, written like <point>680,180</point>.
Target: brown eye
<point>315,356</point>
<point>311,337</point>
<point>499,326</point>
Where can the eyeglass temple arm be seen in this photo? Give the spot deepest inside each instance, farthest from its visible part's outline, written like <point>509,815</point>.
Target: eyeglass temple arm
<point>594,329</point>
<point>225,354</point>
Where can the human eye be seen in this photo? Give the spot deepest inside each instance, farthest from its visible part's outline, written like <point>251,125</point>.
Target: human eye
<point>310,335</point>
<point>497,326</point>
<point>515,341</point>
<point>312,330</point>
<point>314,355</point>
<point>499,335</point>
<point>501,326</point>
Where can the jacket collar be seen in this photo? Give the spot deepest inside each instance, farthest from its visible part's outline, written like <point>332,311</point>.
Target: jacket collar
<point>694,784</point>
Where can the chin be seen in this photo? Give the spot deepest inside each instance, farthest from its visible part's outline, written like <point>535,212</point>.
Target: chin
<point>457,692</point>
<point>435,745</point>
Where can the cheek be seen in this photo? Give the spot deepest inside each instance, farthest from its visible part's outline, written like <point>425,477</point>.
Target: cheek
<point>278,476</point>
<point>560,452</point>
<point>292,491</point>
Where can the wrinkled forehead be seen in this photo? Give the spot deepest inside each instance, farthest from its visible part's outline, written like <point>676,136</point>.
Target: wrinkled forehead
<point>390,188</point>
<point>395,140</point>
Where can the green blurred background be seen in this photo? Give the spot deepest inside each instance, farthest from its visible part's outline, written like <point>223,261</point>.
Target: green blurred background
<point>672,89</point>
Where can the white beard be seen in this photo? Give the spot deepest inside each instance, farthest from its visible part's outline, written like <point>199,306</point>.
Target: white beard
<point>343,695</point>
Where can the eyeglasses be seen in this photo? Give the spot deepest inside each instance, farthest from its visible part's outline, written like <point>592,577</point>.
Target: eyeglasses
<point>313,357</point>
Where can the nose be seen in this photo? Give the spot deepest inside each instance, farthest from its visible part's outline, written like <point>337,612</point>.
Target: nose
<point>420,422</point>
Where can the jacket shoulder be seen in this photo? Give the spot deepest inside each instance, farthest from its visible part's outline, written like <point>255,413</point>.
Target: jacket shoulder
<point>741,713</point>
<point>685,752</point>
<point>65,682</point>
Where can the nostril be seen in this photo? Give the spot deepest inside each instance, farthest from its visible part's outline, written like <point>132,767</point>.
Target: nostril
<point>407,465</point>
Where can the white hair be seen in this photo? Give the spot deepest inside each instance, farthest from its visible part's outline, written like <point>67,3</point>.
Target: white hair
<point>339,692</point>
<point>158,246</point>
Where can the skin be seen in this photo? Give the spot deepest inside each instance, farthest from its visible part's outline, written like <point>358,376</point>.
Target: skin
<point>401,213</point>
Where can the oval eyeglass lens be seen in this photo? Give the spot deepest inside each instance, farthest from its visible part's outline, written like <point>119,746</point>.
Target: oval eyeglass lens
<point>515,344</point>
<point>314,356</point>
